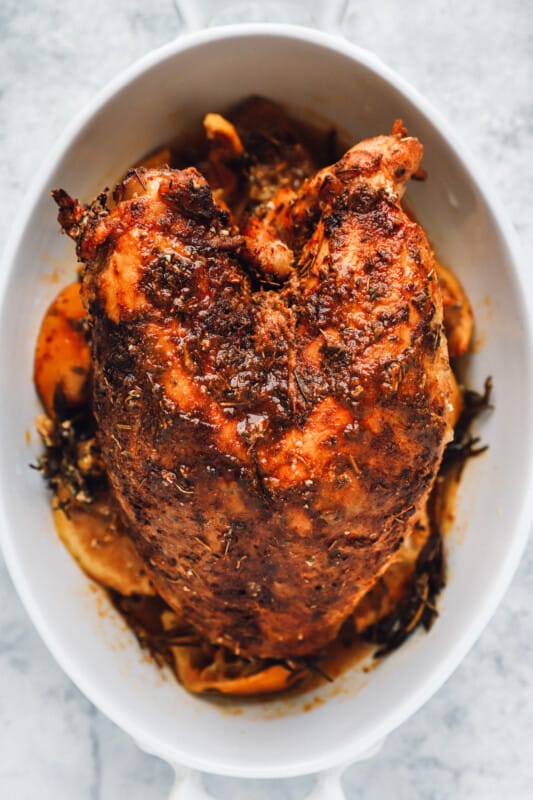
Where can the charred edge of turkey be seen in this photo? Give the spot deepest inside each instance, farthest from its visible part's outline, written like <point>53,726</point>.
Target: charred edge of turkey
<point>419,606</point>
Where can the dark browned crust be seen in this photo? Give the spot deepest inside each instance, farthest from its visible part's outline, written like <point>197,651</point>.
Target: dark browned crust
<point>263,562</point>
<point>417,606</point>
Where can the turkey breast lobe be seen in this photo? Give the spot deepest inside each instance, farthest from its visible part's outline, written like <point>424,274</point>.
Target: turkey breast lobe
<point>269,449</point>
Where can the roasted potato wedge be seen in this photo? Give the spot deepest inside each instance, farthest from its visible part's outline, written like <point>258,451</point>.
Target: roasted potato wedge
<point>62,355</point>
<point>211,678</point>
<point>458,317</point>
<point>102,549</point>
<point>225,148</point>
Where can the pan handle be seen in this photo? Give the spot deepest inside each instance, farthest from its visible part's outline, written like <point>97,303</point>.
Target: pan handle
<point>325,14</point>
<point>188,784</point>
<point>328,785</point>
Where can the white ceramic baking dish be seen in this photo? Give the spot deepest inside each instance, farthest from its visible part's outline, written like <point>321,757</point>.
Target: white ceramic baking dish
<point>148,104</point>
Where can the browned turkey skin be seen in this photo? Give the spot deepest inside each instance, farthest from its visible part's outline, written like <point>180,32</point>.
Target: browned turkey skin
<point>269,449</point>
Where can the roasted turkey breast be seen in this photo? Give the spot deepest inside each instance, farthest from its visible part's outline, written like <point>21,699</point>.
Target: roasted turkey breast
<point>268,447</point>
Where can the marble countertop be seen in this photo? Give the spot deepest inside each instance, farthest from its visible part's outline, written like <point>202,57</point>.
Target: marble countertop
<point>474,739</point>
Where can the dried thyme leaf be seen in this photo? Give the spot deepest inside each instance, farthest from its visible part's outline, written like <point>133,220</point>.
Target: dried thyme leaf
<point>71,463</point>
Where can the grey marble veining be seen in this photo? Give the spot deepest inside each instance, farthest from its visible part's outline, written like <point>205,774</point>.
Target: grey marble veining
<point>473,740</point>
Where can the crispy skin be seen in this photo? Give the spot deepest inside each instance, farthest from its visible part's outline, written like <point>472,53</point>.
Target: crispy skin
<point>268,448</point>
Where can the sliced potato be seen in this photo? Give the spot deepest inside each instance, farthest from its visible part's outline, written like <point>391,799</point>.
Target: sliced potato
<point>62,355</point>
<point>223,135</point>
<point>276,678</point>
<point>458,317</point>
<point>225,147</point>
<point>102,550</point>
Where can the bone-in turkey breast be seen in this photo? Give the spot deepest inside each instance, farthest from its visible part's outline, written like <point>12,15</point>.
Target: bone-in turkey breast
<point>268,449</point>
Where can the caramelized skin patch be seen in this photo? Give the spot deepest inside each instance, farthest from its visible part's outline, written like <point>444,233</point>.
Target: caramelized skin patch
<point>268,448</point>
